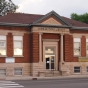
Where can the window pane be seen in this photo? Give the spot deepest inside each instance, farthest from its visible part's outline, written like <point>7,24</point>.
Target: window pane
<point>17,51</point>
<point>2,48</point>
<point>87,48</point>
<point>49,50</point>
<point>87,69</point>
<point>2,37</point>
<point>76,69</point>
<point>2,44</point>
<point>18,38</point>
<point>76,39</point>
<point>18,44</point>
<point>76,48</point>
<point>18,71</point>
<point>2,51</point>
<point>2,72</point>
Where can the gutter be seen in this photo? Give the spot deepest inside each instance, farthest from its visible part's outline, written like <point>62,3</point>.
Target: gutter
<point>48,25</point>
<point>13,24</point>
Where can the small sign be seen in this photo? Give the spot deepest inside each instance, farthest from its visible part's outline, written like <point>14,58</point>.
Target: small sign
<point>10,60</point>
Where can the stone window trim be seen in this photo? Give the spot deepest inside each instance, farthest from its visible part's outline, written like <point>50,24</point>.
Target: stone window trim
<point>79,46</point>
<point>18,40</point>
<point>18,71</point>
<point>18,34</point>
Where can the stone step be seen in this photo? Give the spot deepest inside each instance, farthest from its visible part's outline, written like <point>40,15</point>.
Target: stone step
<point>52,73</point>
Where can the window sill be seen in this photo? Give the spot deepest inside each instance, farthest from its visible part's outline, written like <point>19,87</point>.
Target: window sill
<point>77,56</point>
<point>3,56</point>
<point>17,75</point>
<point>77,73</point>
<point>18,56</point>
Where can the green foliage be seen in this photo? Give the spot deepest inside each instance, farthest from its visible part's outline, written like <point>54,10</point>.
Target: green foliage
<point>81,18</point>
<point>7,6</point>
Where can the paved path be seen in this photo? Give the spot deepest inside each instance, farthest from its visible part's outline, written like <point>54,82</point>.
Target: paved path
<point>55,83</point>
<point>10,84</point>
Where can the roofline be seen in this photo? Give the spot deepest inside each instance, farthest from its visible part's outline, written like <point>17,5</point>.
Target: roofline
<point>13,24</point>
<point>42,25</point>
<point>57,15</point>
<point>48,25</point>
<point>79,28</point>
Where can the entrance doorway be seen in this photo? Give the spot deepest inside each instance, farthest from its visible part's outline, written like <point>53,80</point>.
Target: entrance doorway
<point>50,55</point>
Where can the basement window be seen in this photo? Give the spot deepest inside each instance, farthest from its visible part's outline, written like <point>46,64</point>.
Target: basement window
<point>87,68</point>
<point>2,72</point>
<point>18,71</point>
<point>76,69</point>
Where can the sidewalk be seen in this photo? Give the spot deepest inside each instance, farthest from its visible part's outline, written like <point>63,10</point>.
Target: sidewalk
<point>41,78</point>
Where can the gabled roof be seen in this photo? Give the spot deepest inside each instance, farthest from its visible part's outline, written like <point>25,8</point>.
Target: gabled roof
<point>21,18</point>
<point>54,14</point>
<point>76,23</point>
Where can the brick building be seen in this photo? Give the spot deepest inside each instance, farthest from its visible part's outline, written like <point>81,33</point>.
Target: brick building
<point>42,45</point>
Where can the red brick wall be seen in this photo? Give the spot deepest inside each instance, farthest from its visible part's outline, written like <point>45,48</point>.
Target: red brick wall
<point>26,45</point>
<point>26,50</point>
<point>50,36</point>
<point>68,48</point>
<point>78,31</point>
<point>35,47</point>
<point>83,46</point>
<point>9,45</point>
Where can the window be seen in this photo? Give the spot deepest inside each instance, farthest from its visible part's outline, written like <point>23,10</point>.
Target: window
<point>76,69</point>
<point>76,46</point>
<point>18,71</point>
<point>50,57</point>
<point>2,45</point>
<point>18,45</point>
<point>87,46</point>
<point>2,72</point>
<point>87,68</point>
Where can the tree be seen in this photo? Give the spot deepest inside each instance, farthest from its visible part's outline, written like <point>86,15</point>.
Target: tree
<point>81,18</point>
<point>7,6</point>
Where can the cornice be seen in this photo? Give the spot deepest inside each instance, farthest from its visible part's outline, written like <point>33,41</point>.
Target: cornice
<point>51,30</point>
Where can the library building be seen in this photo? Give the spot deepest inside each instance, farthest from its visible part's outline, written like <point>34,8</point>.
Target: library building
<point>42,45</point>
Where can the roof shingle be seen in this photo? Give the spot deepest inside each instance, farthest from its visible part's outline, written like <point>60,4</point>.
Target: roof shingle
<point>30,18</point>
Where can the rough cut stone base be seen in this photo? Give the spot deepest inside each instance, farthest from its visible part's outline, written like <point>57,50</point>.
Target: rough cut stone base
<point>68,68</point>
<point>10,68</point>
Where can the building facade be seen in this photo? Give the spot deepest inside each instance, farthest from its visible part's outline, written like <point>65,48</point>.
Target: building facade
<point>42,45</point>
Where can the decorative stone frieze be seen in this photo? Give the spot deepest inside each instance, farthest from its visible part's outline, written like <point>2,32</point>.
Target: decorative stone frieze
<point>50,30</point>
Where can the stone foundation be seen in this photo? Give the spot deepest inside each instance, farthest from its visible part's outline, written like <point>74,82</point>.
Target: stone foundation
<point>10,68</point>
<point>68,68</point>
<point>38,69</point>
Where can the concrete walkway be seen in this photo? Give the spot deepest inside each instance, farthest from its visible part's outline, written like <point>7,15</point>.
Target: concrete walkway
<point>39,78</point>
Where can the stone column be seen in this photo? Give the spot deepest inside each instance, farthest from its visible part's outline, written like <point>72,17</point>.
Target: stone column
<point>40,47</point>
<point>61,49</point>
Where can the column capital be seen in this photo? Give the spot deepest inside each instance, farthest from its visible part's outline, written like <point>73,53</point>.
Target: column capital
<point>40,33</point>
<point>62,34</point>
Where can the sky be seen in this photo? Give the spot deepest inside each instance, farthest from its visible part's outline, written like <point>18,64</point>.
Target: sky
<point>62,7</point>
